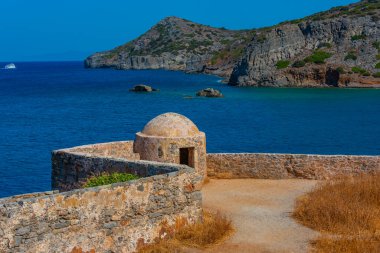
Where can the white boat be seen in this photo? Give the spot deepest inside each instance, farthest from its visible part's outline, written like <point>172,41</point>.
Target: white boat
<point>10,66</point>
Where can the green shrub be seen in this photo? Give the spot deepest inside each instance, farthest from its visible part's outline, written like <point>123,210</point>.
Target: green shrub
<point>282,64</point>
<point>376,45</point>
<point>324,44</point>
<point>107,179</point>
<point>358,70</point>
<point>358,37</point>
<point>226,42</point>
<point>377,66</point>
<point>299,64</point>
<point>262,38</point>
<point>340,70</point>
<point>366,73</point>
<point>377,75</point>
<point>361,71</point>
<point>318,57</point>
<point>351,56</point>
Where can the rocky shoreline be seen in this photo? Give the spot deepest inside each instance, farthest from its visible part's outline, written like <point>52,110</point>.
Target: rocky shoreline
<point>336,48</point>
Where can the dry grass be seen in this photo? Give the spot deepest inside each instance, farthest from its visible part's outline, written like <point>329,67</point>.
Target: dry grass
<point>214,228</point>
<point>346,211</point>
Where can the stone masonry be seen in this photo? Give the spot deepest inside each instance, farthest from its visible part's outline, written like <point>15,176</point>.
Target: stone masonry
<point>285,166</point>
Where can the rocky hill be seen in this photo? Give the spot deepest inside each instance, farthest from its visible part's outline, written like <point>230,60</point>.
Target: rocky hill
<point>339,47</point>
<point>178,44</point>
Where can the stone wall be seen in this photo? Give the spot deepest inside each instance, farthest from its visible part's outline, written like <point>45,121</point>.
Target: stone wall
<point>70,170</point>
<point>119,149</point>
<point>284,166</point>
<point>113,218</point>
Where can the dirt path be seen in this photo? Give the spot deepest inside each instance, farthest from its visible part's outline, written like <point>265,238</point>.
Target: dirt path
<point>260,211</point>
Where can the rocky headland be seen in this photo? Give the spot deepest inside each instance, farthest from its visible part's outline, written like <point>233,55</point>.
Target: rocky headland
<point>337,48</point>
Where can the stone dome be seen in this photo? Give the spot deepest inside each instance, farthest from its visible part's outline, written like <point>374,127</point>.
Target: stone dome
<point>170,125</point>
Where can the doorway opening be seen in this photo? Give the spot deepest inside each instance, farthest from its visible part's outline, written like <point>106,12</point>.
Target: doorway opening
<point>186,156</point>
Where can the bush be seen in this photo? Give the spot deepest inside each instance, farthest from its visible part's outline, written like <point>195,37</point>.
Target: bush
<point>214,228</point>
<point>318,57</point>
<point>377,75</point>
<point>351,56</point>
<point>358,70</point>
<point>340,70</point>
<point>376,45</point>
<point>107,179</point>
<point>358,37</point>
<point>262,38</point>
<point>346,211</point>
<point>282,64</point>
<point>299,64</point>
<point>366,74</point>
<point>377,66</point>
<point>324,44</point>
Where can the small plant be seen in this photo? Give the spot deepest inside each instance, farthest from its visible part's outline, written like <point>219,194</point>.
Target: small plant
<point>318,57</point>
<point>376,45</point>
<point>325,44</point>
<point>299,64</point>
<point>377,66</point>
<point>226,42</point>
<point>106,179</point>
<point>262,38</point>
<point>351,56</point>
<point>358,37</point>
<point>340,70</point>
<point>377,75</point>
<point>282,64</point>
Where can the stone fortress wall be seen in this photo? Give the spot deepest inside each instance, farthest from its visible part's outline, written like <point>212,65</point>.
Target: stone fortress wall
<point>112,218</point>
<point>287,166</point>
<point>123,216</point>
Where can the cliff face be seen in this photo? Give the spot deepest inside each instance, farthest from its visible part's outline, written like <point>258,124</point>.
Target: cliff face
<point>339,47</point>
<point>326,52</point>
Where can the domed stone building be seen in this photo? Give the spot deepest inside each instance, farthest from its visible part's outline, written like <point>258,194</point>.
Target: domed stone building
<point>172,138</point>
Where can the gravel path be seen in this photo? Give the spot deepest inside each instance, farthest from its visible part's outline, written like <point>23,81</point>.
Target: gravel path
<point>260,211</point>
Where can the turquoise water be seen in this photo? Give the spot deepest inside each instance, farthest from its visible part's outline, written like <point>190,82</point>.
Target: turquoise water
<point>47,106</point>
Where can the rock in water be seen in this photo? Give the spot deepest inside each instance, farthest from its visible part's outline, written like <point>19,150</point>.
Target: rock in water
<point>210,93</point>
<point>142,88</point>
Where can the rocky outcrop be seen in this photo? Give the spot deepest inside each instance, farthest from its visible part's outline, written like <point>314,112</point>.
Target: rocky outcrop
<point>337,48</point>
<point>210,93</point>
<point>143,88</point>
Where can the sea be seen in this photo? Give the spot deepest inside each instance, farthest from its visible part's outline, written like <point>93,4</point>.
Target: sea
<point>46,106</point>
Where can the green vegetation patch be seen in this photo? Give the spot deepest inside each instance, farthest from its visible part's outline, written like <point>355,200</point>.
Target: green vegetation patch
<point>282,64</point>
<point>107,179</point>
<point>261,38</point>
<point>340,70</point>
<point>377,66</point>
<point>376,45</point>
<point>318,57</point>
<point>358,37</point>
<point>377,75</point>
<point>351,56</point>
<point>299,64</point>
<point>325,44</point>
<point>361,71</point>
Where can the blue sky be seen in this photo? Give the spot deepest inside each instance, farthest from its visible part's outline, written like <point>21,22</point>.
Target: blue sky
<point>43,30</point>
